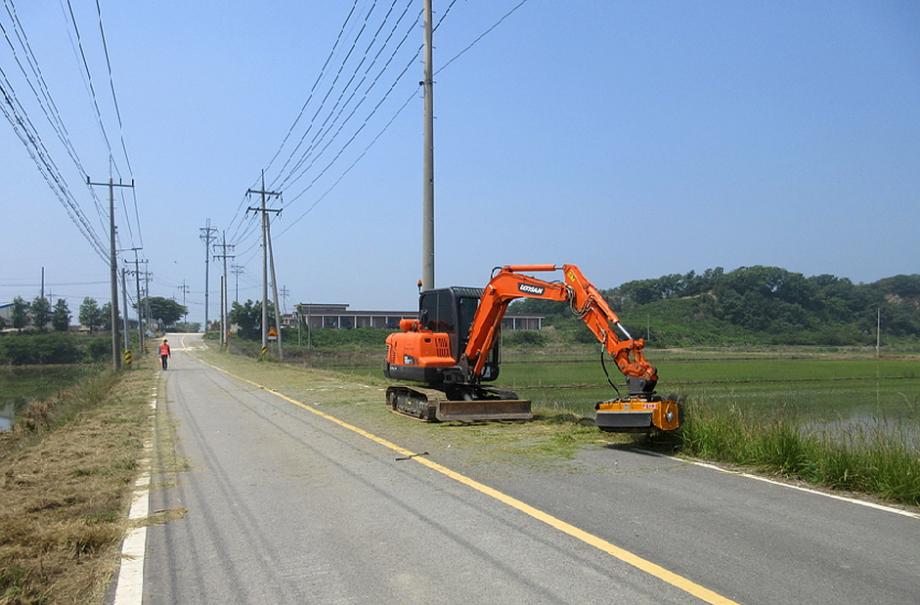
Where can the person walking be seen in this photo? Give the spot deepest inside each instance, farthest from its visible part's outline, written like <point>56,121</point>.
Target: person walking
<point>165,353</point>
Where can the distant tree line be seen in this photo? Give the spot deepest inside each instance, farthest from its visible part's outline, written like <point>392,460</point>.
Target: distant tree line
<point>39,314</point>
<point>757,305</point>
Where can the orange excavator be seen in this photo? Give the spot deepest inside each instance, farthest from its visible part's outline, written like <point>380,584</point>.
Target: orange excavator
<point>453,348</point>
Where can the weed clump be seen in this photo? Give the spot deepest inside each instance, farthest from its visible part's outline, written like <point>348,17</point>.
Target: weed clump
<point>876,456</point>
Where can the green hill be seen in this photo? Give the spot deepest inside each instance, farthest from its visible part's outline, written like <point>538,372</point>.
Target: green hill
<point>755,306</point>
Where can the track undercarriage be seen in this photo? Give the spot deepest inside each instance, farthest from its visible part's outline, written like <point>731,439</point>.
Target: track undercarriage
<point>464,403</point>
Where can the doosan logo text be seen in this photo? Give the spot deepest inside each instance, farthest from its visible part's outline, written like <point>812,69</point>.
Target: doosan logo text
<point>530,289</point>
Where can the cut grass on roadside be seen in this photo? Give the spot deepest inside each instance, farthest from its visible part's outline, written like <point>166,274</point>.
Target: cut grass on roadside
<point>66,474</point>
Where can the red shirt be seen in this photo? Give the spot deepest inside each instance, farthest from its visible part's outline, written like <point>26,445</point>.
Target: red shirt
<point>164,349</point>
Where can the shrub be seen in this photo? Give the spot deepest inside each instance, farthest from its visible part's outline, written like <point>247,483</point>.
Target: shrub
<point>99,349</point>
<point>39,349</point>
<point>524,337</point>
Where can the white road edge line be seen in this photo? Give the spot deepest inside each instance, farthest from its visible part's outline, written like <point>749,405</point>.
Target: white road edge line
<point>130,587</point>
<point>867,504</point>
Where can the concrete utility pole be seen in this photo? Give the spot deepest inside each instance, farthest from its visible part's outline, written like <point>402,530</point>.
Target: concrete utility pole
<point>43,283</point>
<point>224,325</point>
<point>271,253</point>
<point>284,294</point>
<point>264,212</point>
<point>113,266</point>
<point>147,275</point>
<point>184,288</point>
<point>223,329</point>
<point>137,283</point>
<point>237,270</point>
<point>207,235</point>
<point>124,300</point>
<point>428,178</point>
<point>878,334</point>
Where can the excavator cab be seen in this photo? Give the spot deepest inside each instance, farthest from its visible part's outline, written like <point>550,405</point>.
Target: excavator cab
<point>451,311</point>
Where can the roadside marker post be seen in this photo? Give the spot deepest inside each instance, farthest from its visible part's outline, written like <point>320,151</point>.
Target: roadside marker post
<point>129,357</point>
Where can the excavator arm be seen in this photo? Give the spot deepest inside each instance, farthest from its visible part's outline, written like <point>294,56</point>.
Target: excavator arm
<point>509,284</point>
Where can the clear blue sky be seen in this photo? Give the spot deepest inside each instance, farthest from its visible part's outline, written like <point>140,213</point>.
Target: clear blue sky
<point>634,139</point>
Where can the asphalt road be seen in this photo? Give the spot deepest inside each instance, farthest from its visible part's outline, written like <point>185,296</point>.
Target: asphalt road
<point>284,506</point>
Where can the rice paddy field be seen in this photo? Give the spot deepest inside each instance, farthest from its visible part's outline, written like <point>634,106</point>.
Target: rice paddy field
<point>815,389</point>
<point>820,387</point>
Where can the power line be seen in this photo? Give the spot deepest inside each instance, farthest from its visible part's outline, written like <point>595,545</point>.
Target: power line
<point>335,80</point>
<point>481,36</point>
<point>121,132</point>
<point>392,119</point>
<point>321,135</point>
<point>51,111</point>
<point>353,111</point>
<point>92,90</point>
<point>315,83</point>
<point>21,123</point>
<point>353,164</point>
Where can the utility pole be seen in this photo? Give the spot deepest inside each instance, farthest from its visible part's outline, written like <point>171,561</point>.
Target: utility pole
<point>223,328</point>
<point>207,235</point>
<point>271,253</point>
<point>43,283</point>
<point>237,270</point>
<point>124,300</point>
<point>299,326</point>
<point>284,294</point>
<point>137,283</point>
<point>264,212</point>
<point>113,266</point>
<point>184,288</point>
<point>878,333</point>
<point>147,275</point>
<point>224,325</point>
<point>428,177</point>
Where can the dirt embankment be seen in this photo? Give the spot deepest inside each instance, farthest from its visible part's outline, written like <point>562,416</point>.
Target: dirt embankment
<point>66,474</point>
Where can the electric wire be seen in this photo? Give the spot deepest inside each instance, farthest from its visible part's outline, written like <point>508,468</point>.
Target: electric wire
<point>367,119</point>
<point>481,36</point>
<point>350,167</point>
<point>358,105</point>
<point>92,89</point>
<point>121,133</point>
<point>46,100</point>
<point>315,84</point>
<point>45,168</point>
<point>322,134</point>
<point>19,119</point>
<point>335,80</point>
<point>398,112</point>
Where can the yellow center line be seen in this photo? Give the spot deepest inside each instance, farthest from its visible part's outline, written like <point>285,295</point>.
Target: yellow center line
<point>653,569</point>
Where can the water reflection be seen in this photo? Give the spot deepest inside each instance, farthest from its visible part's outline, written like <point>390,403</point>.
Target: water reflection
<point>7,412</point>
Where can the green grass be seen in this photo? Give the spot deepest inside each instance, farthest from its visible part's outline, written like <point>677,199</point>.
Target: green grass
<point>36,382</point>
<point>20,385</point>
<point>875,456</point>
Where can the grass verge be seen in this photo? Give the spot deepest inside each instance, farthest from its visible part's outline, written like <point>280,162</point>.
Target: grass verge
<point>66,473</point>
<point>880,457</point>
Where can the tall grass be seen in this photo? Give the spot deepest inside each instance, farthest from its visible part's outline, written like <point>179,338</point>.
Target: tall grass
<point>875,456</point>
